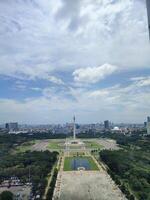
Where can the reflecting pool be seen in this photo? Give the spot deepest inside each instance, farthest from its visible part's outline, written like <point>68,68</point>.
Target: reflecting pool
<point>77,163</point>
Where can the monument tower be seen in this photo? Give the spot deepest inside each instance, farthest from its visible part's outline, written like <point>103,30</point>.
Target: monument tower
<point>74,128</point>
<point>72,142</point>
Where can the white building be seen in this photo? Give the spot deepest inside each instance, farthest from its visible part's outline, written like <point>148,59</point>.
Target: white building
<point>116,129</point>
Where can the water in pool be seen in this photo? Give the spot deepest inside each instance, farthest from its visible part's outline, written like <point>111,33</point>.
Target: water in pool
<point>80,162</point>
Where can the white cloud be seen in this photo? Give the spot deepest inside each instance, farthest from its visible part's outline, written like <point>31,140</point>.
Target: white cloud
<point>90,34</point>
<point>139,78</point>
<point>55,80</point>
<point>145,82</point>
<point>117,103</point>
<point>141,81</point>
<point>50,40</point>
<point>36,89</point>
<point>93,74</point>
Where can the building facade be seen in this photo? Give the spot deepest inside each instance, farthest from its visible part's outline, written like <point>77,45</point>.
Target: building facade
<point>106,124</point>
<point>12,126</point>
<point>148,125</point>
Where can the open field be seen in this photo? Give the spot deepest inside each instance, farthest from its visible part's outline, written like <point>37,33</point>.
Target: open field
<point>54,144</point>
<point>108,144</point>
<point>92,144</point>
<point>58,145</point>
<point>100,143</point>
<point>34,145</point>
<point>89,185</point>
<point>25,146</point>
<point>49,144</point>
<point>41,145</point>
<point>68,160</point>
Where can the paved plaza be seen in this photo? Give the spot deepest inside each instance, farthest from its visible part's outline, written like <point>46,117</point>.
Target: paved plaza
<point>88,185</point>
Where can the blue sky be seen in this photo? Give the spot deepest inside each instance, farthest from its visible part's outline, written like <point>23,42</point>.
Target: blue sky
<point>64,57</point>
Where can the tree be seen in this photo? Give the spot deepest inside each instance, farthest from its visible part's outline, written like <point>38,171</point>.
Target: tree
<point>131,197</point>
<point>6,195</point>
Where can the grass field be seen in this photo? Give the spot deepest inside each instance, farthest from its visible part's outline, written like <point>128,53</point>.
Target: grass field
<point>92,145</point>
<point>25,146</point>
<point>67,163</point>
<point>55,145</point>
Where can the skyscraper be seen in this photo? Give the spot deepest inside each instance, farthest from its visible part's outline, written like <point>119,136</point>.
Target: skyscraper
<point>148,125</point>
<point>148,119</point>
<point>148,13</point>
<point>106,124</point>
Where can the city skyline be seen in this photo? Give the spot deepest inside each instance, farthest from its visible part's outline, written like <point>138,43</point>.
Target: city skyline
<point>74,57</point>
<point>77,123</point>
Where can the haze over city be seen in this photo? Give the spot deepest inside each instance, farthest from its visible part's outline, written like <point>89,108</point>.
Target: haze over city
<point>60,58</point>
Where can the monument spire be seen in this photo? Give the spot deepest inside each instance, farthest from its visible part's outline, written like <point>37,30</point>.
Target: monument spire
<point>74,128</point>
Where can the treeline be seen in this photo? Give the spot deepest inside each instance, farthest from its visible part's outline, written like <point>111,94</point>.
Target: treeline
<point>10,141</point>
<point>123,139</point>
<point>89,134</point>
<point>7,142</point>
<point>37,165</point>
<point>52,185</point>
<point>45,136</point>
<point>130,169</point>
<point>6,195</point>
<point>11,138</point>
<point>119,137</point>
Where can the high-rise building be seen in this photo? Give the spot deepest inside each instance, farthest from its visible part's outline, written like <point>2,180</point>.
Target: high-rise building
<point>106,124</point>
<point>7,126</point>
<point>148,13</point>
<point>12,126</point>
<point>148,119</point>
<point>148,125</point>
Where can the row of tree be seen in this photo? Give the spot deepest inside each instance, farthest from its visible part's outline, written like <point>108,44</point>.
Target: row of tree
<point>130,168</point>
<point>52,185</point>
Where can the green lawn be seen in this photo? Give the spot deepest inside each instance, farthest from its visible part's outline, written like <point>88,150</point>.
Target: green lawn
<point>92,145</point>
<point>55,145</point>
<point>25,146</point>
<point>92,164</point>
<point>67,163</point>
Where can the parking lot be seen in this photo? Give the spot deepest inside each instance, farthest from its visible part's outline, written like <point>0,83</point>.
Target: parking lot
<point>20,192</point>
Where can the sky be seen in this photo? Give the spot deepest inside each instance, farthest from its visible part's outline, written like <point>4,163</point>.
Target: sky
<point>65,57</point>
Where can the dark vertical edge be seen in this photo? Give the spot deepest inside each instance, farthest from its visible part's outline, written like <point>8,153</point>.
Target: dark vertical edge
<point>148,14</point>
